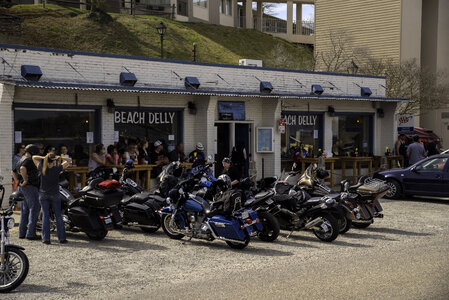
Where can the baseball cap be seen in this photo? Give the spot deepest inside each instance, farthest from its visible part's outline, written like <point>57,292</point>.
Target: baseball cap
<point>226,160</point>
<point>157,143</point>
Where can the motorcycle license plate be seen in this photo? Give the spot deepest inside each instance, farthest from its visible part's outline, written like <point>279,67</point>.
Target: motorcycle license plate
<point>107,220</point>
<point>269,201</point>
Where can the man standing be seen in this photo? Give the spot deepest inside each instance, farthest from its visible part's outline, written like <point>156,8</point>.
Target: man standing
<point>231,171</point>
<point>401,149</point>
<point>27,175</point>
<point>415,151</point>
<point>178,153</point>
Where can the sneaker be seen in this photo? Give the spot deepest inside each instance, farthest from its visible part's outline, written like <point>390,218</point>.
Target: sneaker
<point>63,242</point>
<point>34,238</point>
<point>46,242</point>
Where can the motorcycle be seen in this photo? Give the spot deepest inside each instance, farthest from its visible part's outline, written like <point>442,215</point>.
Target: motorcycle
<point>296,210</point>
<point>14,264</point>
<point>190,215</point>
<point>361,201</point>
<point>140,208</point>
<point>208,189</point>
<point>95,212</point>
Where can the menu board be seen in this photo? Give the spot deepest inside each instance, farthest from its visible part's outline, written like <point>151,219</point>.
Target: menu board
<point>264,139</point>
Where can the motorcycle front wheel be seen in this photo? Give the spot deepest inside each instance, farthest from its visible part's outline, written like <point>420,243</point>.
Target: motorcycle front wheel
<point>170,228</point>
<point>238,245</point>
<point>14,271</point>
<point>328,229</point>
<point>270,230</point>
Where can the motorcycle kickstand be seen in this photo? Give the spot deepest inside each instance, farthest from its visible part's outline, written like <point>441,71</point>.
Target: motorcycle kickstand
<point>289,234</point>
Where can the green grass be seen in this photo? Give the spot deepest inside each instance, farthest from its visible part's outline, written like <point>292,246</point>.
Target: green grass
<point>69,28</point>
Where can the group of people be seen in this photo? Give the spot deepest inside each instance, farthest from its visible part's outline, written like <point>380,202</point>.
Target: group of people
<point>415,151</point>
<point>38,179</point>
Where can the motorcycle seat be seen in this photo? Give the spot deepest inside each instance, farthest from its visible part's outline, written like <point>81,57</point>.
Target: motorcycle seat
<point>263,195</point>
<point>353,189</point>
<point>281,197</point>
<point>313,201</point>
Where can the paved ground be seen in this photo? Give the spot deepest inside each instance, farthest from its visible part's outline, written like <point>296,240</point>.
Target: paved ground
<point>403,256</point>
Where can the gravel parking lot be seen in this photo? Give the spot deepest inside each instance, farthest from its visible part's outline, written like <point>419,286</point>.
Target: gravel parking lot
<point>403,256</point>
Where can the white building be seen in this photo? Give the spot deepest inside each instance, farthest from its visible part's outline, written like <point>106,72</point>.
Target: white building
<point>86,98</point>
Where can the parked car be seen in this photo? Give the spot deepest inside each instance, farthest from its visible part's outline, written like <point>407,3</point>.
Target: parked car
<point>428,177</point>
<point>445,151</point>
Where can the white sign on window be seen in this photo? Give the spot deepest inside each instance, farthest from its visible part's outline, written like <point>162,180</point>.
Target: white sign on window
<point>265,139</point>
<point>116,136</point>
<point>17,137</point>
<point>89,137</point>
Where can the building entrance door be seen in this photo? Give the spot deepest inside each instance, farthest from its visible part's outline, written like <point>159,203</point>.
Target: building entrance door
<point>223,145</point>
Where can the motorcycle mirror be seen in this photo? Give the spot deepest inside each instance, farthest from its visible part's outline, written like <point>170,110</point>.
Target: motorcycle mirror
<point>210,157</point>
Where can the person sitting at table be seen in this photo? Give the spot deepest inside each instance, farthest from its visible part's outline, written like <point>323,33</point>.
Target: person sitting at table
<point>132,152</point>
<point>158,158</point>
<point>112,157</point>
<point>98,158</point>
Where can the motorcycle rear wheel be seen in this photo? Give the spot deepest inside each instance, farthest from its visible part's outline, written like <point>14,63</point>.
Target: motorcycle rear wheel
<point>270,231</point>
<point>332,228</point>
<point>17,266</point>
<point>238,245</point>
<point>97,235</point>
<point>169,230</point>
<point>344,224</point>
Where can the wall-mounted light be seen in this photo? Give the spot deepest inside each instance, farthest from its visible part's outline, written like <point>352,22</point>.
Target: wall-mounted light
<point>192,108</point>
<point>111,106</point>
<point>331,111</point>
<point>380,112</point>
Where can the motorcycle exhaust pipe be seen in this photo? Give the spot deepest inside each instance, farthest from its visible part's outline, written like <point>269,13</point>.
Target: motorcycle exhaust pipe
<point>313,223</point>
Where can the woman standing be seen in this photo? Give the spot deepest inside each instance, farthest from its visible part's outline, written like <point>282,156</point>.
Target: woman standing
<point>112,158</point>
<point>50,166</point>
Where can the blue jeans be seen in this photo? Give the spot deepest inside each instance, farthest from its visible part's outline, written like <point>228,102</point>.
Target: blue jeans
<point>55,201</point>
<point>29,212</point>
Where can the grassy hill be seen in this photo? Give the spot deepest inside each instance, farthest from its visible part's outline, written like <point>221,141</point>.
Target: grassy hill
<point>69,28</point>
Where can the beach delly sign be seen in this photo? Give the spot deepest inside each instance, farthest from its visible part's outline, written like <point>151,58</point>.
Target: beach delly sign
<point>144,117</point>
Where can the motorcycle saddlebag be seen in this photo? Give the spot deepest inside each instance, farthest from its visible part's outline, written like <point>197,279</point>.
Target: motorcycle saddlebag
<point>82,218</point>
<point>141,213</point>
<point>227,227</point>
<point>103,198</point>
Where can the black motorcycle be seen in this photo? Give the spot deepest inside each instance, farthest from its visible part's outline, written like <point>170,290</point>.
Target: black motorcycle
<point>140,208</point>
<point>296,210</point>
<point>14,263</point>
<point>95,212</point>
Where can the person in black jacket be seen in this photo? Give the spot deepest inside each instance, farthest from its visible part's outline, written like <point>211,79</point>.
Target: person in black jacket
<point>27,175</point>
<point>231,171</point>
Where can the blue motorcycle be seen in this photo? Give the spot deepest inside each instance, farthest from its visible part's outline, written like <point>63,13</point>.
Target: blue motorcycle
<point>192,216</point>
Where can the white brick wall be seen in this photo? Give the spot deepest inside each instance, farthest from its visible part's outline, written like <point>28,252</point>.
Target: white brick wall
<point>6,138</point>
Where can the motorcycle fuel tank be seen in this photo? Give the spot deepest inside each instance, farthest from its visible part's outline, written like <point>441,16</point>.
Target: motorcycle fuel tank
<point>191,205</point>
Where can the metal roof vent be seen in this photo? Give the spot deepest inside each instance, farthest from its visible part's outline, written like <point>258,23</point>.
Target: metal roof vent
<point>127,79</point>
<point>365,91</point>
<point>191,83</point>
<point>317,89</point>
<point>30,72</point>
<point>266,87</point>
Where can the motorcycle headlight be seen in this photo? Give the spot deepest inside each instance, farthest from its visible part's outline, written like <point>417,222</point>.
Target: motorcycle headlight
<point>11,223</point>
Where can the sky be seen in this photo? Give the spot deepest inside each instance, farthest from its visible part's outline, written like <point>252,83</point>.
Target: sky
<point>280,11</point>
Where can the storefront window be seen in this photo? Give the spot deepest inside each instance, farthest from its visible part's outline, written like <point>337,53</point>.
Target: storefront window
<point>55,127</point>
<point>225,7</point>
<point>302,130</point>
<point>202,3</point>
<point>152,124</point>
<point>351,135</point>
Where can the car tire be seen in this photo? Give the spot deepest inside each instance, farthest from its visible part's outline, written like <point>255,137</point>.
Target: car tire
<point>395,189</point>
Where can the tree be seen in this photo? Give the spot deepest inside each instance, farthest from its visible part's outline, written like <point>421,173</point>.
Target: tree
<point>425,89</point>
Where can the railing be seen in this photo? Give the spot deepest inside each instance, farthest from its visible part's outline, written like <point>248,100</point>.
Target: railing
<point>272,25</point>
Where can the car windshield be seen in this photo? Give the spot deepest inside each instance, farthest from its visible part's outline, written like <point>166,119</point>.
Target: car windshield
<point>432,165</point>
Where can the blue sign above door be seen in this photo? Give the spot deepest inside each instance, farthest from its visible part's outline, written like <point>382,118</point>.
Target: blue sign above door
<point>231,110</point>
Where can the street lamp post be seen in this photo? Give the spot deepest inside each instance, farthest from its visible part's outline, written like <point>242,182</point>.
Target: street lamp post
<point>194,51</point>
<point>161,28</point>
